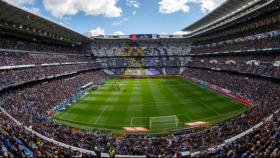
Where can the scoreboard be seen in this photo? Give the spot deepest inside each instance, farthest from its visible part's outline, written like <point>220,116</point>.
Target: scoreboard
<point>143,36</point>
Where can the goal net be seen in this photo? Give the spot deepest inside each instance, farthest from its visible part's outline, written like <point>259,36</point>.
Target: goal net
<point>164,123</point>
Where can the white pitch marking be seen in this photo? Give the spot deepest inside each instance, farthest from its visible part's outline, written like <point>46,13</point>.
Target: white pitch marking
<point>100,114</point>
<point>189,116</point>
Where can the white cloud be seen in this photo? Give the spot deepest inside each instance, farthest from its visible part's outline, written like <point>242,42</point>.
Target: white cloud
<point>118,33</point>
<point>171,6</point>
<point>61,23</point>
<point>181,33</point>
<point>208,5</point>
<point>67,18</point>
<point>60,8</point>
<point>125,19</point>
<point>119,22</point>
<point>133,3</point>
<point>96,32</point>
<point>134,12</point>
<point>21,2</point>
<point>26,4</point>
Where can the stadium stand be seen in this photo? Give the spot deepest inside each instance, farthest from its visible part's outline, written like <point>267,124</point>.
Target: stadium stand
<point>24,67</point>
<point>17,142</point>
<point>237,50</point>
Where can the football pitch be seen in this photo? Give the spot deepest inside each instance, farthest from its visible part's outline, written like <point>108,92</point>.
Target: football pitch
<point>136,101</point>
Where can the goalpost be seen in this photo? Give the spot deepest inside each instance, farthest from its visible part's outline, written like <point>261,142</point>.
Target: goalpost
<point>164,122</point>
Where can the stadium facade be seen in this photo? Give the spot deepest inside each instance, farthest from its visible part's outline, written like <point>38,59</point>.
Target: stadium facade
<point>235,49</point>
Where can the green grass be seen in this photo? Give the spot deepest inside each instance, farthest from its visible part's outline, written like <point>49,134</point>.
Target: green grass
<point>140,99</point>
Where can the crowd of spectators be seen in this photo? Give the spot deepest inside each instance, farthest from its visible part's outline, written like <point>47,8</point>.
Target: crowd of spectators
<point>38,99</point>
<point>21,58</point>
<point>31,104</point>
<point>155,57</point>
<point>15,141</point>
<point>260,41</point>
<point>263,142</point>
<point>258,64</point>
<point>13,75</point>
<point>250,88</point>
<point>147,51</point>
<point>25,45</point>
<point>147,62</point>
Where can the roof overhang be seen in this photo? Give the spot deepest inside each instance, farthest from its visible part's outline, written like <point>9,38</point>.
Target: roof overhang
<point>225,10</point>
<point>20,18</point>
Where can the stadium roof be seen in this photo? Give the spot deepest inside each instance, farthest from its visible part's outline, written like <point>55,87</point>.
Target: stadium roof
<point>229,7</point>
<point>17,15</point>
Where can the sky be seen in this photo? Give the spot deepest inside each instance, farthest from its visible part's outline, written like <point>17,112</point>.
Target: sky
<point>122,17</point>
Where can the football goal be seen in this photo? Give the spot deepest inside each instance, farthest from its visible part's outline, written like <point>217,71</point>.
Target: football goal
<point>164,123</point>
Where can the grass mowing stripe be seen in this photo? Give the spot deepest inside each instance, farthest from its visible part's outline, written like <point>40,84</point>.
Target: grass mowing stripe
<point>189,117</point>
<point>209,107</point>
<point>177,92</point>
<point>100,114</point>
<point>213,106</point>
<point>173,94</point>
<point>146,97</point>
<point>140,99</point>
<point>219,94</point>
<point>104,91</point>
<point>120,106</point>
